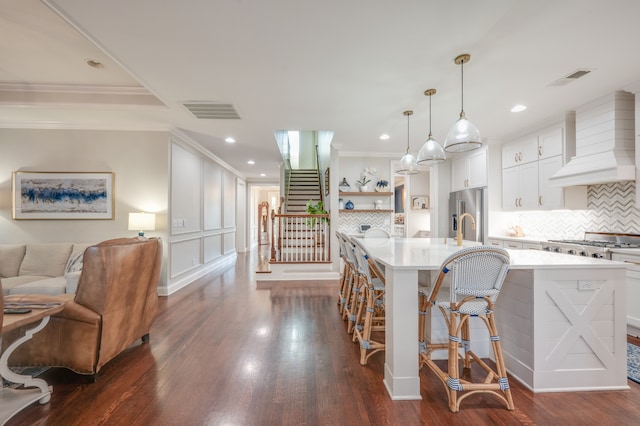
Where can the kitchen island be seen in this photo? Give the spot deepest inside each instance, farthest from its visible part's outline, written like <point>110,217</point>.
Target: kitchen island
<point>561,318</point>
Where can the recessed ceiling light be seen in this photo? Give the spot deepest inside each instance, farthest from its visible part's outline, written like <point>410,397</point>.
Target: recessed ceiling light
<point>251,162</point>
<point>384,136</point>
<point>262,174</point>
<point>230,140</point>
<point>518,108</point>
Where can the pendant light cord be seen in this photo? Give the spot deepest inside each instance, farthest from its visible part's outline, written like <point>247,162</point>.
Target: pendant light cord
<point>429,115</point>
<point>462,86</point>
<point>408,115</point>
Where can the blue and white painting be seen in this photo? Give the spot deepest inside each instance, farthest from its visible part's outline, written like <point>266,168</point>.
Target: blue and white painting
<point>63,195</point>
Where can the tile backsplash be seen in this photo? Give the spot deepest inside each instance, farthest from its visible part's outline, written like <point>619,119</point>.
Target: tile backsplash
<point>610,208</point>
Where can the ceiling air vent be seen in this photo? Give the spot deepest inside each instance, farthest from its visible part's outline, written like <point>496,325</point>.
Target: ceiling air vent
<point>212,111</point>
<point>571,77</point>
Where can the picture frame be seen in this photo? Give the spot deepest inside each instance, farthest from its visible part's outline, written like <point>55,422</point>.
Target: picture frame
<point>62,195</point>
<point>326,181</point>
<point>420,202</point>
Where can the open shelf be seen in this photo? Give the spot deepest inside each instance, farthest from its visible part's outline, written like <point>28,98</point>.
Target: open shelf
<point>365,211</point>
<point>365,193</point>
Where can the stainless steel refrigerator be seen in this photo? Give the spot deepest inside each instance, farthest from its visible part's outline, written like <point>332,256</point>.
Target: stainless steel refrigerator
<point>475,202</point>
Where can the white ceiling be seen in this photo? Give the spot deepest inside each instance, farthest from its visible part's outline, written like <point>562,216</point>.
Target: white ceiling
<point>348,66</point>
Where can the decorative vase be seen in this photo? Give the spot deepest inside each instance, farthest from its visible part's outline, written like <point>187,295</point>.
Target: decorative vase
<point>364,188</point>
<point>341,204</point>
<point>344,186</point>
<point>349,205</point>
<point>382,188</point>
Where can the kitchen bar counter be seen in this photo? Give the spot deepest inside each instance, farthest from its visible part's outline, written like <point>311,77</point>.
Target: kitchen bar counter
<point>561,318</point>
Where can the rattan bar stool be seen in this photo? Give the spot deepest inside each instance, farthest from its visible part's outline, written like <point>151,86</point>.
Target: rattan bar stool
<point>476,276</point>
<point>347,277</point>
<point>370,315</point>
<point>354,295</point>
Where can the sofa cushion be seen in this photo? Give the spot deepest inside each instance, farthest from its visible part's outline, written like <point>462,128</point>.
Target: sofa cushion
<point>13,282</point>
<point>52,286</point>
<point>11,256</point>
<point>46,259</point>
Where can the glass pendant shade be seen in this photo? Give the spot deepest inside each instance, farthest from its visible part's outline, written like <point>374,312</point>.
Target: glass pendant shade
<point>408,164</point>
<point>431,152</point>
<point>463,136</point>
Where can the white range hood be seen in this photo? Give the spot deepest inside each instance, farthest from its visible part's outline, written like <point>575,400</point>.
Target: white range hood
<point>605,143</point>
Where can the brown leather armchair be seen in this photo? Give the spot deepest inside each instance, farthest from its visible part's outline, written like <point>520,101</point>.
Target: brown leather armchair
<point>115,304</point>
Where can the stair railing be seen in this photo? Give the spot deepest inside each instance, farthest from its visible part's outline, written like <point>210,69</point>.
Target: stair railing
<point>300,238</point>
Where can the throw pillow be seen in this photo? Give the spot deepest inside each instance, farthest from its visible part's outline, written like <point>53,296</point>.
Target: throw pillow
<point>75,263</point>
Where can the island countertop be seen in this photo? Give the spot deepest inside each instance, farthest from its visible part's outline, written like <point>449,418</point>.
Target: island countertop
<point>429,253</point>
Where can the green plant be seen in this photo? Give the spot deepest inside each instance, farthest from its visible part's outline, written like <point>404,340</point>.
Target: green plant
<point>363,180</point>
<point>317,208</point>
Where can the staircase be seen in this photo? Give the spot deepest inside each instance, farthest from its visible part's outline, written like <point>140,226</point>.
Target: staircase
<point>304,185</point>
<point>300,255</point>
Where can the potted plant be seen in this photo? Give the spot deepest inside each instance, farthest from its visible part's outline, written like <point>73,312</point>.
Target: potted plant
<point>364,178</point>
<point>317,208</point>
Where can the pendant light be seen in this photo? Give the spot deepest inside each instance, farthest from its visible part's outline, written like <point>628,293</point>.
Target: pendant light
<point>431,152</point>
<point>408,165</point>
<point>463,136</point>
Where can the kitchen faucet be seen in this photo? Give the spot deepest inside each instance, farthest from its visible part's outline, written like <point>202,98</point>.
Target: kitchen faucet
<point>460,220</point>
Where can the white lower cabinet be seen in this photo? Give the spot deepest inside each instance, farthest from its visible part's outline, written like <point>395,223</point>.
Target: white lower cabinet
<point>515,245</point>
<point>633,288</point>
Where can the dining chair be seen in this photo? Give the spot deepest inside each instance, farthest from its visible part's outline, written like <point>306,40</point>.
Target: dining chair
<point>476,276</point>
<point>376,233</point>
<point>370,314</point>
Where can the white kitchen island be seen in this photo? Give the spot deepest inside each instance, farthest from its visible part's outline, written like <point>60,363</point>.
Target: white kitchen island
<point>561,318</point>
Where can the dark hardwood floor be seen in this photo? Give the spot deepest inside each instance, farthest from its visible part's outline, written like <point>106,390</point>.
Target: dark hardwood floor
<point>224,353</point>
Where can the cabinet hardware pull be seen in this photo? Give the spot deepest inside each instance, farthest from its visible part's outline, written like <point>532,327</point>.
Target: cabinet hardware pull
<point>540,200</point>
<point>539,150</point>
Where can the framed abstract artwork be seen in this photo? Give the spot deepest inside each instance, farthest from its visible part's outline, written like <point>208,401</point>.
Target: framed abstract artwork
<point>62,195</point>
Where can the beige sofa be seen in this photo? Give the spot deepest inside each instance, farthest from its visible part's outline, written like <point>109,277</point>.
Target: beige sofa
<point>41,268</point>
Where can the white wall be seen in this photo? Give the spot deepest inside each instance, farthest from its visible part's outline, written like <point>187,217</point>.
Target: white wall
<point>138,160</point>
<point>203,214</point>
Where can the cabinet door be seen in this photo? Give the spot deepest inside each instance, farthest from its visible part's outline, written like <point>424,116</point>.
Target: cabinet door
<point>529,186</point>
<point>550,197</point>
<point>510,154</point>
<point>510,188</point>
<point>478,169</point>
<point>528,149</point>
<point>551,143</point>
<point>459,173</point>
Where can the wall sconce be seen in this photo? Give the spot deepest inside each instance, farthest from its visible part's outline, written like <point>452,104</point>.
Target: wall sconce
<point>142,222</point>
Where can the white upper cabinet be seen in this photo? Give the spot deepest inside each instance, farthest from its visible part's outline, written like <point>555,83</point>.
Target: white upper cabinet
<point>469,171</point>
<point>521,151</point>
<point>529,161</point>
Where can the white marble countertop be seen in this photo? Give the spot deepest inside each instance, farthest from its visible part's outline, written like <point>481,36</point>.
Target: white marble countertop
<point>429,253</point>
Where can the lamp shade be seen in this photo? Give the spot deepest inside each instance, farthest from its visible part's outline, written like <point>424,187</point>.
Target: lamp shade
<point>431,153</point>
<point>463,136</point>
<point>142,222</point>
<point>408,165</point>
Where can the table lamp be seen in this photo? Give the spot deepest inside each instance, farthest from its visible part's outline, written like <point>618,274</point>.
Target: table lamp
<point>142,222</point>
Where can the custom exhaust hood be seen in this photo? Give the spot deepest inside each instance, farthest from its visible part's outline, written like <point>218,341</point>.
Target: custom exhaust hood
<point>605,143</point>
